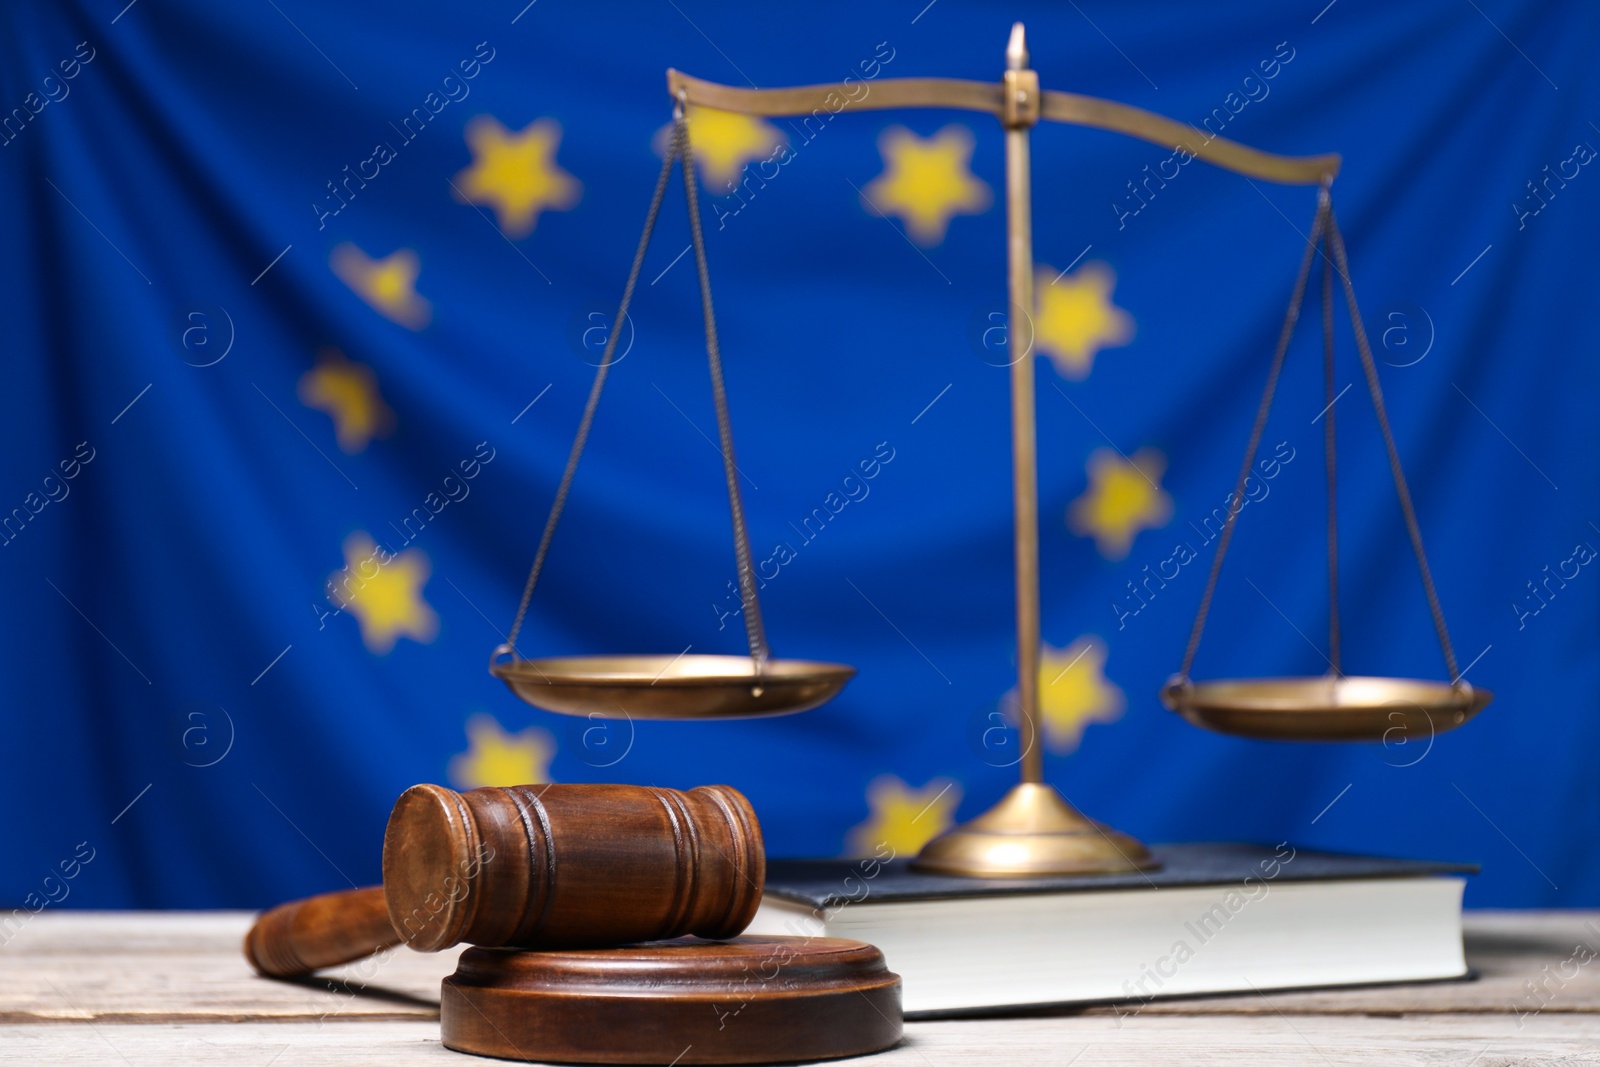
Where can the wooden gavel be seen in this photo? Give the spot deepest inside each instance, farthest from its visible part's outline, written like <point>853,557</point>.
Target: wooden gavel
<point>552,866</point>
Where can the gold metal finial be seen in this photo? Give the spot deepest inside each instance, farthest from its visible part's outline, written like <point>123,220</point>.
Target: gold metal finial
<point>1017,48</point>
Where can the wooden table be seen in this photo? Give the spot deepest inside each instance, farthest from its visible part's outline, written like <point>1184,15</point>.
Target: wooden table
<point>164,988</point>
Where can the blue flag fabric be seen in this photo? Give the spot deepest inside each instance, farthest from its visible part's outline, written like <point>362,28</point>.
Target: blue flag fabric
<point>302,304</point>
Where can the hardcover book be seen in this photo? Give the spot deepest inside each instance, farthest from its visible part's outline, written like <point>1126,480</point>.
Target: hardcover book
<point>1213,918</point>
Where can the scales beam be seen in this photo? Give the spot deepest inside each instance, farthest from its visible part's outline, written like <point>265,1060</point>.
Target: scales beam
<point>961,95</point>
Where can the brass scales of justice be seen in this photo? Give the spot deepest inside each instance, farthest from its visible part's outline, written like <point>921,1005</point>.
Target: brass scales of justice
<point>1032,830</point>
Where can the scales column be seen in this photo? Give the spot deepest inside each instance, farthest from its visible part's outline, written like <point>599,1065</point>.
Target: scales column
<point>1032,830</point>
<point>1019,115</point>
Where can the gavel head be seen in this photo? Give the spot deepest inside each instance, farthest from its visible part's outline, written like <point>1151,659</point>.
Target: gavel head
<point>570,866</point>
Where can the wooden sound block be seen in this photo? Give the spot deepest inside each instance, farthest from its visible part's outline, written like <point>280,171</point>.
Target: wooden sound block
<point>746,1000</point>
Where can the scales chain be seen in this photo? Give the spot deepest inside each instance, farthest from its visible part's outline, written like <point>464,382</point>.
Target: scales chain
<point>1371,371</point>
<point>594,395</point>
<point>1331,461</point>
<point>1325,234</point>
<point>750,605</point>
<point>1324,208</point>
<point>678,151</point>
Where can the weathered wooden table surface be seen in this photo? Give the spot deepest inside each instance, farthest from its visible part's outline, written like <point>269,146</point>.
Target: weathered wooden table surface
<point>170,988</point>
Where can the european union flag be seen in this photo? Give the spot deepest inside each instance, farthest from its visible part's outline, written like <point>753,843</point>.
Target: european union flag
<point>303,303</point>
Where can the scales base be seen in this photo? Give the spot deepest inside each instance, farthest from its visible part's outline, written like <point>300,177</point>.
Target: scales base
<point>744,1000</point>
<point>1032,831</point>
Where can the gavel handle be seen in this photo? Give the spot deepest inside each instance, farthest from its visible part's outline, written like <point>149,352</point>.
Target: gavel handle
<point>322,931</point>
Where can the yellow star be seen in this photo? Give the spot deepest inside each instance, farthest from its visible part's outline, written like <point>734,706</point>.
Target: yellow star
<point>516,173</point>
<point>926,180</point>
<point>723,142</point>
<point>348,393</point>
<point>1124,496</point>
<point>388,284</point>
<point>1075,318</point>
<point>495,757</point>
<point>1073,692</point>
<point>903,819</point>
<point>384,592</point>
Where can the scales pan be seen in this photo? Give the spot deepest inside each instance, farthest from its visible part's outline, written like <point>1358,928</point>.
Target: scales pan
<point>672,687</point>
<point>1326,708</point>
